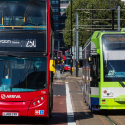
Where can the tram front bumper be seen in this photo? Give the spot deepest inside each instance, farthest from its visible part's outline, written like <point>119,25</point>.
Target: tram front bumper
<point>114,103</point>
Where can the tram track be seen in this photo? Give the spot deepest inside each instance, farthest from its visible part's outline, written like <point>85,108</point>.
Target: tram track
<point>110,120</point>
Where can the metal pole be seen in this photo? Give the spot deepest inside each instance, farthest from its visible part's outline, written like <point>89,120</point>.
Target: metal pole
<point>112,19</point>
<point>118,18</point>
<point>76,45</point>
<point>92,16</point>
<point>71,37</point>
<point>58,45</point>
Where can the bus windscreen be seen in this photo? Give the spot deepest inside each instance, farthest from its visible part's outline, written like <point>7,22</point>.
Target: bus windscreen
<point>23,74</point>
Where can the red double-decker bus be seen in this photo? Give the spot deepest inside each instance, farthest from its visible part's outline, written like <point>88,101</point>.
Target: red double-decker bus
<point>26,53</point>
<point>67,61</point>
<point>60,57</point>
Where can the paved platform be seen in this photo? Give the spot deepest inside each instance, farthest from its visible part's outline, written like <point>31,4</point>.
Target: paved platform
<point>82,113</point>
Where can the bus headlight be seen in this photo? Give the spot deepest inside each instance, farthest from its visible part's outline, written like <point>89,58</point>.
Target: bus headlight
<point>34,103</point>
<point>38,101</point>
<point>42,98</point>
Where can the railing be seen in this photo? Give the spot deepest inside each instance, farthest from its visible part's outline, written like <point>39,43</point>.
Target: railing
<point>35,27</point>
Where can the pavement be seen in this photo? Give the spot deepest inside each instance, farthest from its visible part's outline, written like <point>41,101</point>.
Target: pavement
<point>82,113</point>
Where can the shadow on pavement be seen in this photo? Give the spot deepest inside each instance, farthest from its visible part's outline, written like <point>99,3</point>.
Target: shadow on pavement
<point>57,118</point>
<point>110,112</point>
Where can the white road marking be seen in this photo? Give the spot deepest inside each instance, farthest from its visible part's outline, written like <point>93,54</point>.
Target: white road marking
<point>70,113</point>
<point>57,83</point>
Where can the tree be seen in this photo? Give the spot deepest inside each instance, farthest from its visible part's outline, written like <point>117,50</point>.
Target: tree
<point>84,32</point>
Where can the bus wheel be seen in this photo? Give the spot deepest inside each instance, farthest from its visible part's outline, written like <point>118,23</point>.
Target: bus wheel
<point>50,116</point>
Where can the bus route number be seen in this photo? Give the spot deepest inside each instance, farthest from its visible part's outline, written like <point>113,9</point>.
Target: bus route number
<point>31,43</point>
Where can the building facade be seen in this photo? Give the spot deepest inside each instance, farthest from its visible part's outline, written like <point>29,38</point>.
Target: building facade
<point>59,16</point>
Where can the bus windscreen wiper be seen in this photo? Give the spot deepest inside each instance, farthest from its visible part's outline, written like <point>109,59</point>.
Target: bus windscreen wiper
<point>10,55</point>
<point>116,77</point>
<point>19,57</point>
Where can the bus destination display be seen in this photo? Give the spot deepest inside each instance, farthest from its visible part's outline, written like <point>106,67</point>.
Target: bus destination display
<point>18,43</point>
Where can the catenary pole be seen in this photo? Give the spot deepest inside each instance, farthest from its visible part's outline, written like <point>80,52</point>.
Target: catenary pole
<point>118,18</point>
<point>71,37</point>
<point>76,45</point>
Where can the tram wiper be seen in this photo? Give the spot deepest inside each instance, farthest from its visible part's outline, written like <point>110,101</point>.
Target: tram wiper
<point>116,77</point>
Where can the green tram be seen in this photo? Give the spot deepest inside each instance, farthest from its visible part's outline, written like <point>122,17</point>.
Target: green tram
<point>103,70</point>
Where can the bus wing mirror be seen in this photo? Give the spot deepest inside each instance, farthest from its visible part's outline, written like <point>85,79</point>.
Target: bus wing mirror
<point>52,66</point>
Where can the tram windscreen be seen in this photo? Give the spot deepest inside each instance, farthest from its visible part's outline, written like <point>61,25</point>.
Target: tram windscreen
<point>114,56</point>
<point>23,74</point>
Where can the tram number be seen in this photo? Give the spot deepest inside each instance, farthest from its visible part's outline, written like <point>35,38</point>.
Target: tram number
<point>31,43</point>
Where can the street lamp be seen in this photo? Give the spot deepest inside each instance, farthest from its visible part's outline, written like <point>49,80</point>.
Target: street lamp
<point>113,4</point>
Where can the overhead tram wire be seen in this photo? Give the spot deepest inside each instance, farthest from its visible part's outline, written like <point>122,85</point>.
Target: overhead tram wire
<point>95,25</point>
<point>97,28</point>
<point>101,9</point>
<point>102,19</point>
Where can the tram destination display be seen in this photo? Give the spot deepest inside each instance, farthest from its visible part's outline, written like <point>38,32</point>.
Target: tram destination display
<point>113,38</point>
<point>114,41</point>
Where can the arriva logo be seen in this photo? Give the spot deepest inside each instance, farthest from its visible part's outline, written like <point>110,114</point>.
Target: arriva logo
<point>3,96</point>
